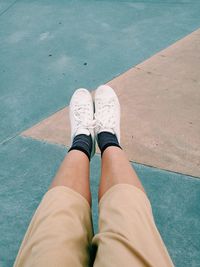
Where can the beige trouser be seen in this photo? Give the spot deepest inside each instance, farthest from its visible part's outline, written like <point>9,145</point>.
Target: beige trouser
<point>60,233</point>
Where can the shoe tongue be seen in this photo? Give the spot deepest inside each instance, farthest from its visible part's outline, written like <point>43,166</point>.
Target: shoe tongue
<point>83,131</point>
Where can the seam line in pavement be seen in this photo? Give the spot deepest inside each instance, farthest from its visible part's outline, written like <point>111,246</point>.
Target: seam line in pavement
<point>11,5</point>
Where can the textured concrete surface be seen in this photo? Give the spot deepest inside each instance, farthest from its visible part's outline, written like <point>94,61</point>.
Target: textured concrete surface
<point>54,129</point>
<point>49,48</point>
<point>175,198</point>
<point>160,108</point>
<point>160,102</point>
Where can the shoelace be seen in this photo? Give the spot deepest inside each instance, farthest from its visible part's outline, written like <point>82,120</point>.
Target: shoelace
<point>105,119</point>
<point>82,122</point>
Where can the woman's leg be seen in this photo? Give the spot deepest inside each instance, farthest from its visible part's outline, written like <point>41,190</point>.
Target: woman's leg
<point>116,169</point>
<point>74,173</point>
<point>61,230</point>
<point>127,233</point>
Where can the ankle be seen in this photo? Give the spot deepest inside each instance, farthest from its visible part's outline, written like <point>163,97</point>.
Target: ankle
<point>106,140</point>
<point>83,143</point>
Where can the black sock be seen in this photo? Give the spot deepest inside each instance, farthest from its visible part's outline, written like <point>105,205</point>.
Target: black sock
<point>106,139</point>
<point>82,142</point>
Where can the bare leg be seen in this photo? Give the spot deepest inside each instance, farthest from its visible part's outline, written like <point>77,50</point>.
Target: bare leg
<point>116,169</point>
<point>127,232</point>
<point>74,173</point>
<point>61,229</point>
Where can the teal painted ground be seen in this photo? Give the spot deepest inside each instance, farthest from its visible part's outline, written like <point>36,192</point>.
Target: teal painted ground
<point>49,48</point>
<point>175,198</point>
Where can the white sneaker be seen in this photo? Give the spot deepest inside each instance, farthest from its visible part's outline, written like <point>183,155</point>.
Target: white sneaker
<point>81,112</point>
<point>107,111</point>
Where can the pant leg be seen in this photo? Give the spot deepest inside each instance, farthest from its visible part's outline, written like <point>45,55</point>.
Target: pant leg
<point>127,233</point>
<point>60,232</point>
